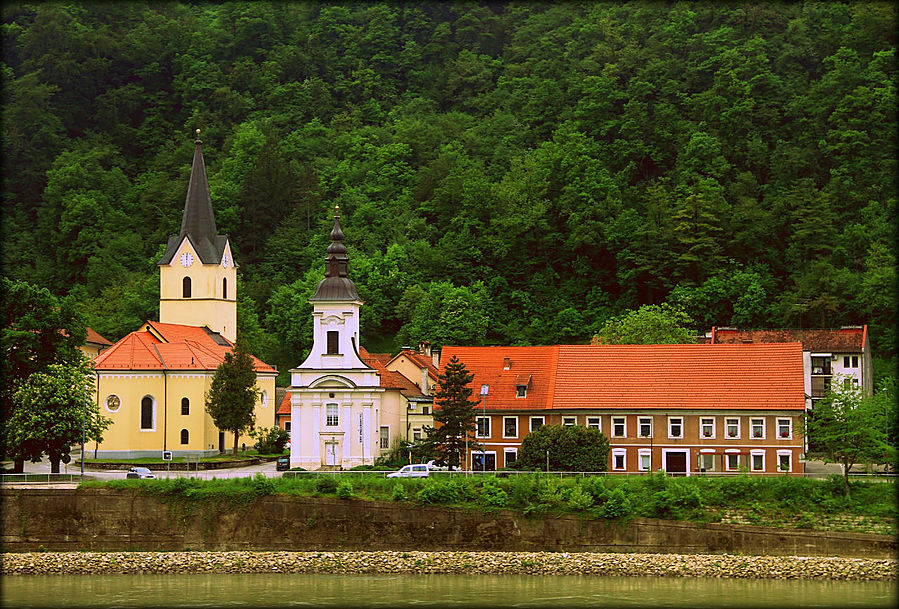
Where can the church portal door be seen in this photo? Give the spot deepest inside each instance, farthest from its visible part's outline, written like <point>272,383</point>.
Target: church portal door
<point>331,453</point>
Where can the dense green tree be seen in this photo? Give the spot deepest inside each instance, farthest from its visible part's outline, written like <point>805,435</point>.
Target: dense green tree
<point>648,325</point>
<point>232,394</point>
<point>54,410</point>
<point>852,428</point>
<point>564,448</point>
<point>39,330</point>
<point>454,413</point>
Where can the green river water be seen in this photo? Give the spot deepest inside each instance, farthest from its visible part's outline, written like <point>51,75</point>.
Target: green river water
<point>304,590</point>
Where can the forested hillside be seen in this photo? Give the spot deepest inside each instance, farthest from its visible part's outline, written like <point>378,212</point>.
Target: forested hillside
<point>506,173</point>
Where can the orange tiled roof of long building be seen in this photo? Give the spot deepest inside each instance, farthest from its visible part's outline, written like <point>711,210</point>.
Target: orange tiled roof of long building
<point>763,376</point>
<point>534,365</point>
<point>160,346</point>
<point>851,339</point>
<point>758,376</point>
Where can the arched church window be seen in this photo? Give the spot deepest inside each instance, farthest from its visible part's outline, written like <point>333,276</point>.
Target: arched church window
<point>185,406</point>
<point>185,288</point>
<point>225,288</point>
<point>185,436</point>
<point>147,413</point>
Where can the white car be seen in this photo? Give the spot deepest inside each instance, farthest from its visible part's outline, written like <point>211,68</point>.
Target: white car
<point>142,473</point>
<point>411,471</point>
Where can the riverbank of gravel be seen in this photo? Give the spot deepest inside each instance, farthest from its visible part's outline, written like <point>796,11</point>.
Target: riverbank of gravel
<point>521,563</point>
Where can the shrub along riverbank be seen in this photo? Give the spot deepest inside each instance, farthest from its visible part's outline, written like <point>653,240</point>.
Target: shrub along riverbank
<point>778,502</point>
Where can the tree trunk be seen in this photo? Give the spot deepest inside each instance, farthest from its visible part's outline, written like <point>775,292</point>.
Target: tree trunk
<point>54,464</point>
<point>846,468</point>
<point>18,466</point>
<point>235,442</point>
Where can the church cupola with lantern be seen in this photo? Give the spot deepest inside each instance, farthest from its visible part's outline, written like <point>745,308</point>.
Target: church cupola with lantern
<point>197,273</point>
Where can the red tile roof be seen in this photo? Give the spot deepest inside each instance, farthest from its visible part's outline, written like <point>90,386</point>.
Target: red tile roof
<point>389,378</point>
<point>486,364</point>
<point>766,376</point>
<point>284,406</point>
<point>94,338</point>
<point>159,346</point>
<point>843,340</point>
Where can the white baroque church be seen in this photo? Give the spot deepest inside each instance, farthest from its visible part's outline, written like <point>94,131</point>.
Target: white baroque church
<point>341,414</point>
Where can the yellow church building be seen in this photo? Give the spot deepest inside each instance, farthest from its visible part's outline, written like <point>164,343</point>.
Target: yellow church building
<point>152,383</point>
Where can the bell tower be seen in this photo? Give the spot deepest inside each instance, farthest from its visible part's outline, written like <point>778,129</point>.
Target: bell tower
<point>197,273</point>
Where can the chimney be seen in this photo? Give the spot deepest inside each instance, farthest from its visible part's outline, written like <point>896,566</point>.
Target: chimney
<point>507,363</point>
<point>424,347</point>
<point>424,382</point>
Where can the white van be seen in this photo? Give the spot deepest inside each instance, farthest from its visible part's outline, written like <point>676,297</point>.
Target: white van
<point>411,471</point>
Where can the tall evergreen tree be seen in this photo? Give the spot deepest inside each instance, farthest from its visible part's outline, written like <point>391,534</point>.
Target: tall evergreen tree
<point>454,413</point>
<point>233,394</point>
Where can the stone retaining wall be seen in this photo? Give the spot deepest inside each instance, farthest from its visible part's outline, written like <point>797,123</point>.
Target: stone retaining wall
<point>114,520</point>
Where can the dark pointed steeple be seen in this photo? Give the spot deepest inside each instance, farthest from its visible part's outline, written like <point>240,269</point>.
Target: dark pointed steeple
<point>336,285</point>
<point>198,220</point>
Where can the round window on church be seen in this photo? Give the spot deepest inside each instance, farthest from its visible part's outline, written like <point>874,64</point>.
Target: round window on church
<point>113,403</point>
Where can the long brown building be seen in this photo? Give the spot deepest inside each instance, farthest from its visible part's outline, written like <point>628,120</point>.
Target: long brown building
<point>685,409</point>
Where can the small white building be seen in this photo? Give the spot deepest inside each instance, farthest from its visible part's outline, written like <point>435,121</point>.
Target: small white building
<point>338,410</point>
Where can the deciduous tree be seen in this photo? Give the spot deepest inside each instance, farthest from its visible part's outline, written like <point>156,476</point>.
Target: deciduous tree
<point>54,410</point>
<point>569,448</point>
<point>232,396</point>
<point>648,325</point>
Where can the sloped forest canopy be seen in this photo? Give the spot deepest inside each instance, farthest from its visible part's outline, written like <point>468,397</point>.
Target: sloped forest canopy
<point>506,173</point>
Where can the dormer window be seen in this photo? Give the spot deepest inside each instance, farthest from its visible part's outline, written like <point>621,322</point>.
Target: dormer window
<point>521,391</point>
<point>507,363</point>
<point>333,342</point>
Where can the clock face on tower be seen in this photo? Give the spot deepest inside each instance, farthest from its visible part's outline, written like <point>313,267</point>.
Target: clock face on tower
<point>187,259</point>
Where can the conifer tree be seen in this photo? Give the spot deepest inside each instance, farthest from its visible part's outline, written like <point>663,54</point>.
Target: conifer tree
<point>454,413</point>
<point>233,394</point>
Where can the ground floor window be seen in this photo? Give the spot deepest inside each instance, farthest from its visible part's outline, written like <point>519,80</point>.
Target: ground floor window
<point>483,462</point>
<point>645,460</point>
<point>511,456</point>
<point>784,461</point>
<point>619,461</point>
<point>732,462</point>
<point>757,461</point>
<point>707,462</point>
<point>385,437</point>
<point>416,435</point>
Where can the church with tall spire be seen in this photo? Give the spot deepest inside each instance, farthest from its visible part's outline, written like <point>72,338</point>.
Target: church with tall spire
<point>152,383</point>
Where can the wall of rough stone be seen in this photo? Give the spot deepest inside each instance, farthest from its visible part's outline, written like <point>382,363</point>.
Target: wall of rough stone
<point>115,520</point>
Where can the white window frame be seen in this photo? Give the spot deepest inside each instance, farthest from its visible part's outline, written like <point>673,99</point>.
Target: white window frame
<point>515,420</point>
<point>382,437</point>
<point>671,421</point>
<point>140,415</point>
<point>789,426</point>
<point>569,421</point>
<point>727,458</point>
<point>531,423</point>
<point>707,422</point>
<point>506,453</point>
<point>753,425</point>
<point>521,391</point>
<point>623,424</point>
<point>332,418</point>
<point>789,455</point>
<point>647,453</point>
<point>619,452</point>
<point>477,426</point>
<point>641,421</point>
<point>752,455</point>
<point>727,423</point>
<point>595,422</point>
<point>703,454</point>
<point>286,425</point>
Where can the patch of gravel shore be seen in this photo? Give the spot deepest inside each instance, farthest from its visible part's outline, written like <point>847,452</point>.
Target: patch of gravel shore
<point>535,563</point>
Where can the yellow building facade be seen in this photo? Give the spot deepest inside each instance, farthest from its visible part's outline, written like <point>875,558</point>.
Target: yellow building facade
<point>153,382</point>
